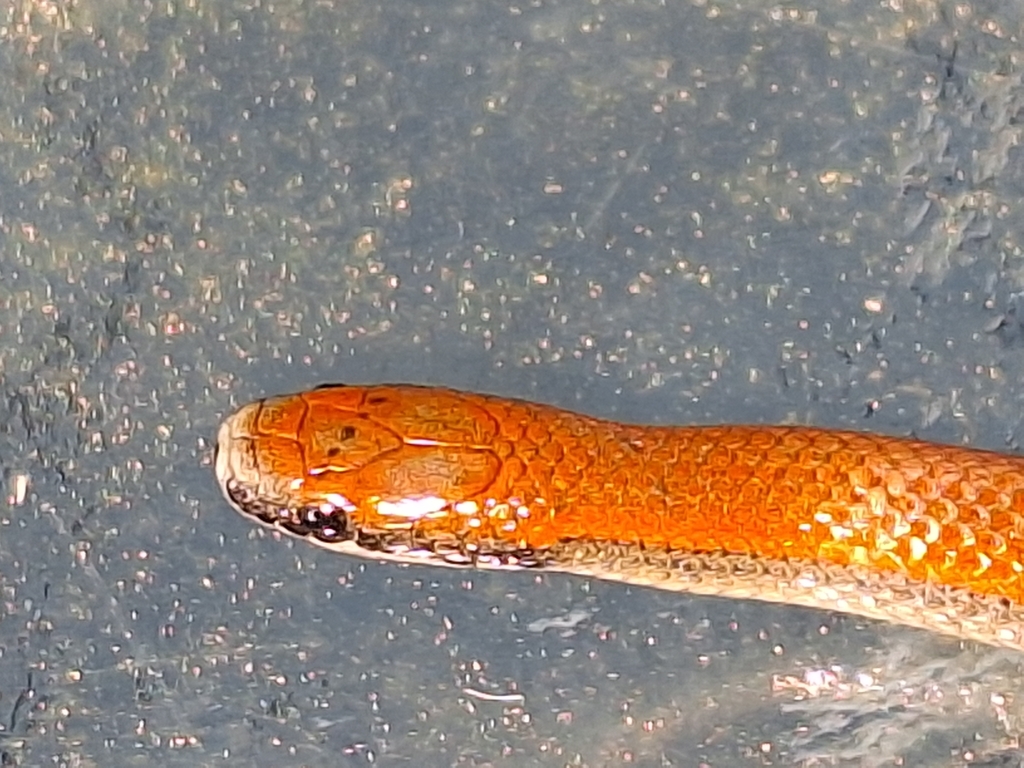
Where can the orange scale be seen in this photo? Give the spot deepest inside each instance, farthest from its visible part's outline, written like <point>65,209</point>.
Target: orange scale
<point>280,456</point>
<point>720,458</point>
<point>989,496</point>
<point>857,443</point>
<point>435,416</point>
<point>450,473</point>
<point>732,440</point>
<point>316,488</point>
<point>814,458</point>
<point>511,480</point>
<point>797,440</point>
<point>820,442</point>
<point>738,474</point>
<point>577,458</point>
<point>900,452</point>
<point>895,483</point>
<point>551,453</point>
<point>649,526</point>
<point>928,489</point>
<point>537,432</point>
<point>338,396</point>
<point>915,470</point>
<point>765,440</point>
<point>776,456</point>
<point>539,474</point>
<point>342,441</point>
<point>280,416</point>
<point>571,526</point>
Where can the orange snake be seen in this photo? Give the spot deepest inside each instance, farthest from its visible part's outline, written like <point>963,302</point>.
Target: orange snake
<point>901,530</point>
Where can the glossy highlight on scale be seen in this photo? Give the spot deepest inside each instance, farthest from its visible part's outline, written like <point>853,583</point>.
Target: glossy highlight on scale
<point>926,535</point>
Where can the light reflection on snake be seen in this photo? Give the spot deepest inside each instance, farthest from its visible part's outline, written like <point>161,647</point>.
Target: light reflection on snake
<point>921,534</point>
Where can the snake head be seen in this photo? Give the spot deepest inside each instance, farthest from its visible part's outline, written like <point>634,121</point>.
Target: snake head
<point>359,465</point>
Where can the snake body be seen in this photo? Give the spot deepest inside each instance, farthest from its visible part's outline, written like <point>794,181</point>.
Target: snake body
<point>901,530</point>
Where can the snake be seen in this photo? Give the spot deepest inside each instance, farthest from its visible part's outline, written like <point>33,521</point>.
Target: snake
<point>887,528</point>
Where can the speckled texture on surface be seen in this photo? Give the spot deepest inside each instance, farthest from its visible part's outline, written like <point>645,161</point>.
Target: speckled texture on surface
<point>685,213</point>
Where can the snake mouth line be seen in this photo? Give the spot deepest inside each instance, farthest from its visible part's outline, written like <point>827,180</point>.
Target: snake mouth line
<point>321,523</point>
<point>331,528</point>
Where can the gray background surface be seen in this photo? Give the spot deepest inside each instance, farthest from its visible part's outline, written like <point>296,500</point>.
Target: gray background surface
<point>689,212</point>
